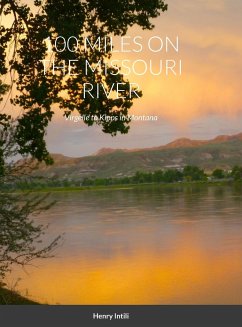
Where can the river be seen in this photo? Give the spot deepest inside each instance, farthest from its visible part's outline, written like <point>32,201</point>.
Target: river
<point>147,245</point>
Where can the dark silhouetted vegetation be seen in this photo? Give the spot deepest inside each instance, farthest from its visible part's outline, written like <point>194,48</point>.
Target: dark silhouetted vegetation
<point>35,91</point>
<point>8,297</point>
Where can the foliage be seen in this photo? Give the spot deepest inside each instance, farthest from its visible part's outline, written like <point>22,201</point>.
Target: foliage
<point>236,173</point>
<point>8,297</point>
<point>193,173</point>
<point>158,176</point>
<point>218,173</point>
<point>172,175</point>
<point>20,237</point>
<point>22,49</point>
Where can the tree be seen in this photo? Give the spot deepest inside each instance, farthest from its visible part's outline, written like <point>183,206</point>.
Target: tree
<point>37,91</point>
<point>158,176</point>
<point>193,173</point>
<point>20,237</point>
<point>24,32</point>
<point>171,176</point>
<point>139,177</point>
<point>218,173</point>
<point>236,173</point>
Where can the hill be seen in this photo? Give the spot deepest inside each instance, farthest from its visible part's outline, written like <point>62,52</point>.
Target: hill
<point>222,152</point>
<point>8,297</point>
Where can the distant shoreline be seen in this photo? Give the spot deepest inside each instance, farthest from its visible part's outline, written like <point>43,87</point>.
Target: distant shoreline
<point>133,186</point>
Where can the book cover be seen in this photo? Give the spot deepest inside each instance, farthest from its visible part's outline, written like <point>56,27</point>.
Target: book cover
<point>120,155</point>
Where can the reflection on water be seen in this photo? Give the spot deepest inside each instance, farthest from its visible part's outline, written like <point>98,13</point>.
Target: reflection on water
<point>151,245</point>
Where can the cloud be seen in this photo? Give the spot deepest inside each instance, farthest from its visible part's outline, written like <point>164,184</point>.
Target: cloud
<point>206,5</point>
<point>211,50</point>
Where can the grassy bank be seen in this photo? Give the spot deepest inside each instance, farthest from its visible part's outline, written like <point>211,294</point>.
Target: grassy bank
<point>8,297</point>
<point>135,186</point>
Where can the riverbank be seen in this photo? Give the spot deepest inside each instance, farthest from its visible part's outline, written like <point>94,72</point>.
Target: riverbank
<point>135,186</point>
<point>8,297</point>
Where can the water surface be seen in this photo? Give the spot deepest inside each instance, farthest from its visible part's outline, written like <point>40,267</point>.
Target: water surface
<point>152,245</point>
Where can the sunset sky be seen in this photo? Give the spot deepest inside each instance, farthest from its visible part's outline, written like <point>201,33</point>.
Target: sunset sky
<point>204,102</point>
